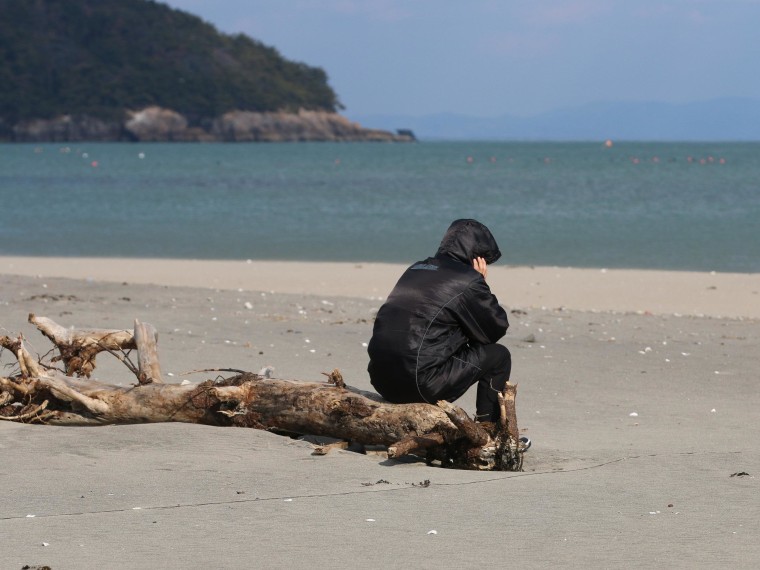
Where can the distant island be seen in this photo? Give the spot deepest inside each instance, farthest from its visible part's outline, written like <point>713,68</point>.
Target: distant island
<point>138,70</point>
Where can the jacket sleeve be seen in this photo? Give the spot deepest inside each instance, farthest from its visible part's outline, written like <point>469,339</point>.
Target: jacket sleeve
<point>481,317</point>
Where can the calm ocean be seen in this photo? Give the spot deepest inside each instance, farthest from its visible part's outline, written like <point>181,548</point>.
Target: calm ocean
<point>637,205</point>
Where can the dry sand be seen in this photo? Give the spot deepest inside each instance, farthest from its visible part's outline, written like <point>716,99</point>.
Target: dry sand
<point>658,292</point>
<point>602,488</point>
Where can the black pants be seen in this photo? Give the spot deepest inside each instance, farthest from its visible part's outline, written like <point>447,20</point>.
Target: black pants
<point>495,369</point>
<point>497,366</point>
<point>490,370</point>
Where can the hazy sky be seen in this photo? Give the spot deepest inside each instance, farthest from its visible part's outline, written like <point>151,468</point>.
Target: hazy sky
<point>491,57</point>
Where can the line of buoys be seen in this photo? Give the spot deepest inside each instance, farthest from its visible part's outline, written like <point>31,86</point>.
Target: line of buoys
<point>633,159</point>
<point>689,159</point>
<point>85,155</point>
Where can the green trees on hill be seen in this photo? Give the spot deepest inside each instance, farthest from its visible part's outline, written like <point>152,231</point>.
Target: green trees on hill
<point>99,57</point>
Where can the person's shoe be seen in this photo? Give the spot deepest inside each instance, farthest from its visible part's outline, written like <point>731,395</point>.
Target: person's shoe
<point>525,443</point>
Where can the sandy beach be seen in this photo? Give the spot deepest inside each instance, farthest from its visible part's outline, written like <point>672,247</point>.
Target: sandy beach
<point>638,389</point>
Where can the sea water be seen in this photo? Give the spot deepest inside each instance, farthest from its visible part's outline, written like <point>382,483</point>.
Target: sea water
<point>636,205</point>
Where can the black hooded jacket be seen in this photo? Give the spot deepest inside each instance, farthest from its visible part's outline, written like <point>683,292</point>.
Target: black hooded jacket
<point>431,329</point>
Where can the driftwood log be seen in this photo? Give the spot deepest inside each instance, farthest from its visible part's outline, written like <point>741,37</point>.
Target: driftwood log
<point>40,392</point>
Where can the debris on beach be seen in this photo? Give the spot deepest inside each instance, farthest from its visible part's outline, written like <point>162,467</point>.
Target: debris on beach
<point>266,371</point>
<point>378,482</point>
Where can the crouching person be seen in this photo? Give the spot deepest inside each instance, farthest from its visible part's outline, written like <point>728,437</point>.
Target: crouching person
<point>436,335</point>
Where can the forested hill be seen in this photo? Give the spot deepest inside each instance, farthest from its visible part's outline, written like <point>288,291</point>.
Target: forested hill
<point>97,57</point>
<point>103,70</point>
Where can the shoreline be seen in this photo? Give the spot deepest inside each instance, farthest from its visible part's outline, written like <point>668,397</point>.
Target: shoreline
<point>708,294</point>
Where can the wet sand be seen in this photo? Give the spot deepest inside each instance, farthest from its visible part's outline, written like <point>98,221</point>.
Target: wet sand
<point>602,487</point>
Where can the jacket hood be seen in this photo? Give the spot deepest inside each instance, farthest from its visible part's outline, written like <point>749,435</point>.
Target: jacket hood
<point>467,239</point>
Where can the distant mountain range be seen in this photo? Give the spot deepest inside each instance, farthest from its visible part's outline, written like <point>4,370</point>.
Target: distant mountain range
<point>729,119</point>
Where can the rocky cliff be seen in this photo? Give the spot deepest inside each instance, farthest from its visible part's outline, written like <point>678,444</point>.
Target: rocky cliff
<point>154,124</point>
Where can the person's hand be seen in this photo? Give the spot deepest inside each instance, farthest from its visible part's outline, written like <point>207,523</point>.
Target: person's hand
<point>480,266</point>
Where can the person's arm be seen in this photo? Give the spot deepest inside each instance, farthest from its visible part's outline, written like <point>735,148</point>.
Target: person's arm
<point>481,317</point>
